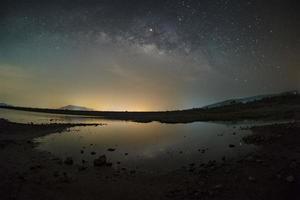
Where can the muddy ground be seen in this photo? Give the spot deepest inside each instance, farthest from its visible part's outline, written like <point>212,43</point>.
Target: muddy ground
<point>272,172</point>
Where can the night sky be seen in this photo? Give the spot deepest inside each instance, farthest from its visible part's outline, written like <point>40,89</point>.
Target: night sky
<point>146,55</point>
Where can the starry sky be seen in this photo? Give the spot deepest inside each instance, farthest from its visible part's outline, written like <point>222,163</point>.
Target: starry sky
<point>146,55</point>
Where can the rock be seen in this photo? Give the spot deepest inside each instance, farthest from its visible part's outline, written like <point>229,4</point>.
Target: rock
<point>249,158</point>
<point>69,161</point>
<point>290,179</point>
<point>191,170</point>
<point>59,161</point>
<point>13,197</point>
<point>224,158</point>
<point>111,149</point>
<point>66,178</point>
<point>81,151</point>
<point>35,167</point>
<point>252,179</point>
<point>126,154</point>
<point>101,161</point>
<point>81,168</point>
<point>278,176</point>
<point>93,153</point>
<point>259,161</point>
<point>219,186</point>
<point>21,177</point>
<point>231,145</point>
<point>293,165</point>
<point>56,174</point>
<point>211,164</point>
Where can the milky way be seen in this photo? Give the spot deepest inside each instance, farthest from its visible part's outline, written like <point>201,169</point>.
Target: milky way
<point>146,55</point>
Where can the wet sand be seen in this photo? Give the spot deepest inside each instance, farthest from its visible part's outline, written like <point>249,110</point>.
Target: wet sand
<point>272,172</point>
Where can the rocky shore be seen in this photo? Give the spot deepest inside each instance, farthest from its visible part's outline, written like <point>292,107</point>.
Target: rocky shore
<point>272,172</point>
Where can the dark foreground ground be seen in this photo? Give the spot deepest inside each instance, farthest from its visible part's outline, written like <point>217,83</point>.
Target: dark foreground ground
<point>270,173</point>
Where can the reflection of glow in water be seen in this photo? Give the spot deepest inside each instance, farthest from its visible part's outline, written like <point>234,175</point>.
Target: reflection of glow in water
<point>149,145</point>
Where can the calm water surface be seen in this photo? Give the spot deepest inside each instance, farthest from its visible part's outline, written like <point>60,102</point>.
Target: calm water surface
<point>150,146</point>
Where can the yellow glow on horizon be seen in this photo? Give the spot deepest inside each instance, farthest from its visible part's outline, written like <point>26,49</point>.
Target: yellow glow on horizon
<point>121,107</point>
<point>21,89</point>
<point>107,105</point>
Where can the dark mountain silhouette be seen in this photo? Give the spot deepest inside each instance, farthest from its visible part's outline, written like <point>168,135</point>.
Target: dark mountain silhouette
<point>249,99</point>
<point>74,107</point>
<point>4,105</point>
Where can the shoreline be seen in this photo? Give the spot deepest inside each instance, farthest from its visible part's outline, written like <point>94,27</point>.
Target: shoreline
<point>272,172</point>
<point>252,111</point>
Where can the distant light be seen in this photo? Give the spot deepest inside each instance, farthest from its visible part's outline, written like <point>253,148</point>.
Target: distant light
<point>150,29</point>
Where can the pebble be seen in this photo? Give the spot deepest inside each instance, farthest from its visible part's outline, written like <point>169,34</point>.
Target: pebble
<point>56,174</point>
<point>290,179</point>
<point>251,178</point>
<point>250,158</point>
<point>81,168</point>
<point>101,161</point>
<point>278,176</point>
<point>111,149</point>
<point>293,165</point>
<point>219,186</point>
<point>69,161</point>
<point>192,164</point>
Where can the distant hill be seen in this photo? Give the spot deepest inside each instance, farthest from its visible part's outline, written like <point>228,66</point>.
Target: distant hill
<point>74,107</point>
<point>249,99</point>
